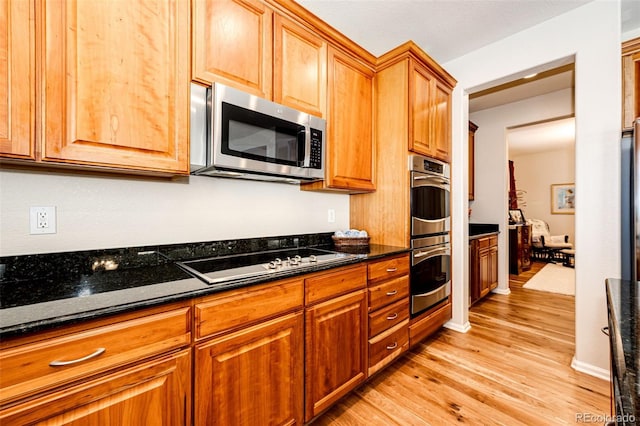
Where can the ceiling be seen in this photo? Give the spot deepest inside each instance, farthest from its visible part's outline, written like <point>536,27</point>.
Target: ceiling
<point>447,29</point>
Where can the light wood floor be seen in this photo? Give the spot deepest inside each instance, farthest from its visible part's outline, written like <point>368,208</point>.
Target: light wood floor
<point>512,368</point>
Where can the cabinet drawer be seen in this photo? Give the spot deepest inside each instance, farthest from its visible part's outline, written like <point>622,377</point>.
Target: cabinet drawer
<point>244,306</point>
<point>388,292</point>
<point>487,242</point>
<point>341,281</point>
<point>27,369</point>
<point>387,346</point>
<point>388,317</point>
<point>423,327</point>
<point>388,268</point>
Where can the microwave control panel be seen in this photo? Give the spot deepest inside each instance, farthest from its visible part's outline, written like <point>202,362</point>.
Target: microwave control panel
<point>315,157</point>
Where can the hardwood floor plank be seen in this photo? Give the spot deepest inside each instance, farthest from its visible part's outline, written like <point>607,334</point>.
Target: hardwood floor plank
<point>512,368</point>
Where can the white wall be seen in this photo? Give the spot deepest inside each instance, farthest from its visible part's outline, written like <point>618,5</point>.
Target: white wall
<point>491,143</point>
<point>535,173</point>
<point>591,33</point>
<point>95,212</point>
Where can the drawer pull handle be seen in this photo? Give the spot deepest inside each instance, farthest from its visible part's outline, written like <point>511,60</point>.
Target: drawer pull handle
<point>392,347</point>
<point>392,293</point>
<point>392,316</point>
<point>392,269</point>
<point>98,352</point>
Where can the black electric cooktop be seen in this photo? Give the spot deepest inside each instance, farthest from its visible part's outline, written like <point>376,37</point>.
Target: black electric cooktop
<point>222,269</point>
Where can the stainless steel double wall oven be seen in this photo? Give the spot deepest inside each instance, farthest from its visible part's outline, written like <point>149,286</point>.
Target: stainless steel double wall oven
<point>430,241</point>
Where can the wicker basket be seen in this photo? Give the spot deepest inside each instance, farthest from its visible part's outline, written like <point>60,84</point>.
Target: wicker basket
<point>347,242</point>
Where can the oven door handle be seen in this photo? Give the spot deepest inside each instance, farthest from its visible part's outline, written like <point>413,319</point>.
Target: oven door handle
<point>432,179</point>
<point>427,294</point>
<point>417,254</point>
<point>420,181</point>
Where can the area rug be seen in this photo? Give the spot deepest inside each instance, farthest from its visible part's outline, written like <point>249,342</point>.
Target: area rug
<point>554,278</point>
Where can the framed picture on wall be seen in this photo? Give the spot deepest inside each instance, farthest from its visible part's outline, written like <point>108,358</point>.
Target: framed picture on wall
<point>516,217</point>
<point>563,199</point>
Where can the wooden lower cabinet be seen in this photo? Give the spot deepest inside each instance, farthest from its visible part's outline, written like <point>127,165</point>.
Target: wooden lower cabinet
<point>488,270</point>
<point>156,392</point>
<point>519,249</point>
<point>483,267</point>
<point>253,376</point>
<point>336,350</point>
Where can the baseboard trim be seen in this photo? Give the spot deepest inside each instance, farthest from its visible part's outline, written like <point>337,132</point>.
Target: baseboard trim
<point>590,369</point>
<point>504,291</point>
<point>460,328</point>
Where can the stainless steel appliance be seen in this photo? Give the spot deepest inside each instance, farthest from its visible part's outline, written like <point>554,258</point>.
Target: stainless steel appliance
<point>430,282</point>
<point>430,223</point>
<point>235,134</point>
<point>273,263</point>
<point>430,190</point>
<point>630,203</point>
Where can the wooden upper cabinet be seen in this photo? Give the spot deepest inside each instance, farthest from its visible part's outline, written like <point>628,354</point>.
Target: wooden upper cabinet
<point>233,44</point>
<point>16,79</point>
<point>441,121</point>
<point>430,110</point>
<point>349,156</point>
<point>472,160</point>
<point>116,84</point>
<point>630,82</point>
<point>420,82</point>
<point>300,67</point>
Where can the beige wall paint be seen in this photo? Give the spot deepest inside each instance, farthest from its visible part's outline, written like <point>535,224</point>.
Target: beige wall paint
<point>535,173</point>
<point>594,41</point>
<point>108,211</point>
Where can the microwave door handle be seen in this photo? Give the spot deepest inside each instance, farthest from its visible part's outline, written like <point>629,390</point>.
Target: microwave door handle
<point>306,130</point>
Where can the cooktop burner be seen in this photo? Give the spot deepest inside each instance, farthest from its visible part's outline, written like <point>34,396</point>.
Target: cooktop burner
<point>223,269</point>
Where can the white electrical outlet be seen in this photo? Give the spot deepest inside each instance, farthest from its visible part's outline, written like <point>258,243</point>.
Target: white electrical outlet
<point>42,220</point>
<point>331,216</point>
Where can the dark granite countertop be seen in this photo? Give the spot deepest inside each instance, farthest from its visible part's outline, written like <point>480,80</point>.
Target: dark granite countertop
<point>623,303</point>
<point>39,292</point>
<point>479,230</point>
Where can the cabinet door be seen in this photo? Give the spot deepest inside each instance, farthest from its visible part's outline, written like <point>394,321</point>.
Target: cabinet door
<point>233,44</point>
<point>472,160</point>
<point>430,114</point>
<point>420,82</point>
<point>156,392</point>
<point>16,79</point>
<point>336,358</point>
<point>474,272</point>
<point>253,376</point>
<point>349,157</point>
<point>300,68</point>
<point>116,84</point>
<point>485,272</point>
<point>493,267</point>
<point>441,121</point>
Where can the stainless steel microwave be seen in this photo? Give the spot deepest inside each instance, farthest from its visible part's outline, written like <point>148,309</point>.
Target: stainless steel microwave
<point>236,134</point>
